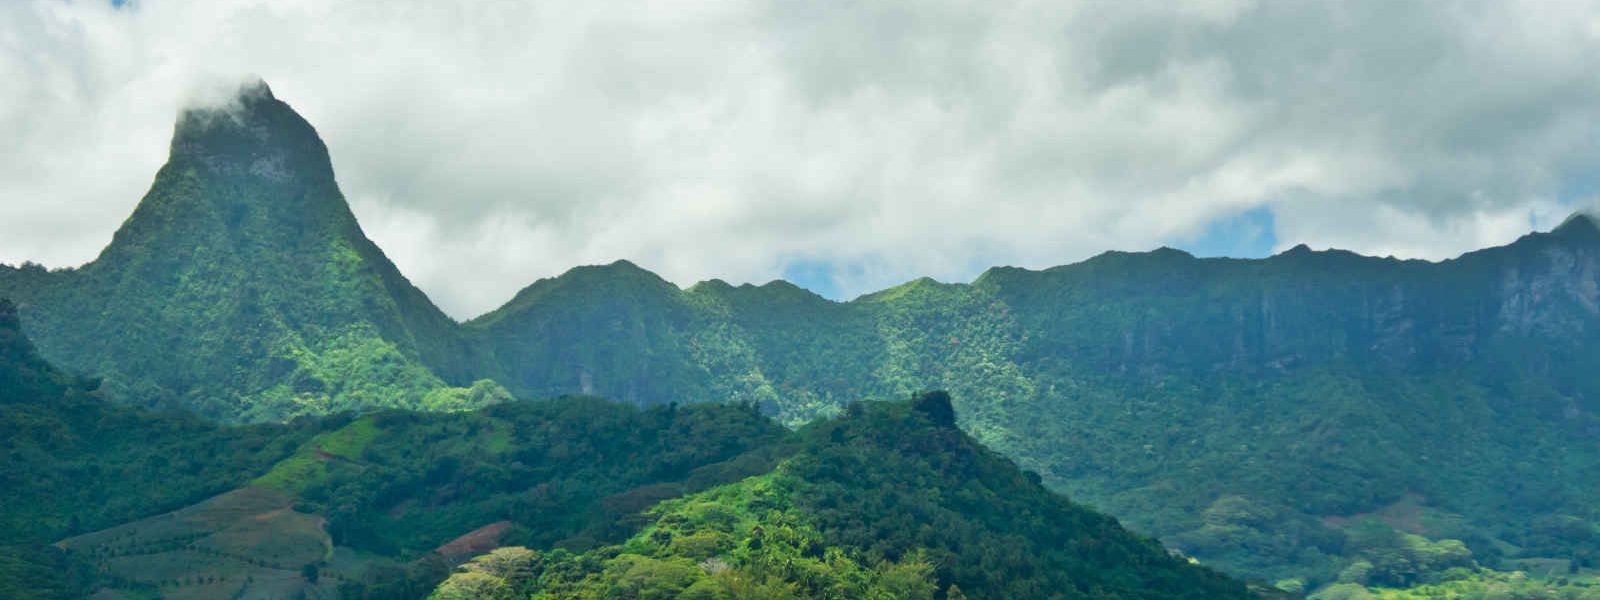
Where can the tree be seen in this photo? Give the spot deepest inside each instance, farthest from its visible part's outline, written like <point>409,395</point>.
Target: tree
<point>936,405</point>
<point>310,572</point>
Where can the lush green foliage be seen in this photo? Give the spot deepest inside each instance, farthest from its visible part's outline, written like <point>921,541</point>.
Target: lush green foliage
<point>561,472</point>
<point>1238,409</point>
<point>71,463</point>
<point>743,541</point>
<point>396,485</point>
<point>891,501</point>
<point>1475,584</point>
<point>242,288</point>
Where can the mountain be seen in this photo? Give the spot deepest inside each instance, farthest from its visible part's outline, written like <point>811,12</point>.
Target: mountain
<point>1247,411</point>
<point>585,332</point>
<point>1260,415</point>
<point>71,462</point>
<point>123,502</point>
<point>134,503</point>
<point>890,501</point>
<point>242,287</point>
<point>382,505</point>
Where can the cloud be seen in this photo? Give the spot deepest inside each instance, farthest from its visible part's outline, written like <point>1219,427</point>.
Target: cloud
<point>484,145</point>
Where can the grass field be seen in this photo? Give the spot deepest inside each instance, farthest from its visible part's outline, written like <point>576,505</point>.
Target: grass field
<point>248,543</point>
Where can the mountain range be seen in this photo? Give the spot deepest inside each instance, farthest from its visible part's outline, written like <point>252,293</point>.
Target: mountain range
<point>705,501</point>
<point>1287,419</point>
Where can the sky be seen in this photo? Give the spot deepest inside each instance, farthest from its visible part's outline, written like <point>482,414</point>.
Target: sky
<point>848,146</point>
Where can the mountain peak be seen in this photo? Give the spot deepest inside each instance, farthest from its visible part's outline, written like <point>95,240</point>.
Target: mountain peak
<point>620,271</point>
<point>250,133</point>
<point>1579,224</point>
<point>245,254</point>
<point>247,163</point>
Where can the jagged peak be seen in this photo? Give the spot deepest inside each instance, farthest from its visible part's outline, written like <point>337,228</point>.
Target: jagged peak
<point>1579,223</point>
<point>1298,250</point>
<point>249,131</point>
<point>236,101</point>
<point>244,159</point>
<point>1579,227</point>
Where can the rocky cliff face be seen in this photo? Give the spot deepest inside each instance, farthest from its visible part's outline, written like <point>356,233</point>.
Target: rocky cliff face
<point>1553,291</point>
<point>1166,312</point>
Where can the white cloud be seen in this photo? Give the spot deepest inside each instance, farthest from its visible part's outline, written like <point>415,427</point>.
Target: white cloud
<point>485,144</point>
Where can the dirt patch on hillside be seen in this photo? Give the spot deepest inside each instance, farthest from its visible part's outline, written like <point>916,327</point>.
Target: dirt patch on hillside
<point>478,541</point>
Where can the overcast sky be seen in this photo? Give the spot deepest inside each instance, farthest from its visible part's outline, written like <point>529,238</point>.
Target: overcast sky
<point>846,145</point>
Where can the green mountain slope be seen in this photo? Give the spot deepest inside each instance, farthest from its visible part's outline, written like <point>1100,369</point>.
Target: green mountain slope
<point>891,501</point>
<point>891,497</point>
<point>380,504</point>
<point>242,287</point>
<point>71,462</point>
<point>1308,388</point>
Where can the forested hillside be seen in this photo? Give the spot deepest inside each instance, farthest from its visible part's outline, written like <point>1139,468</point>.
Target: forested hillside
<point>71,463</point>
<point>339,506</point>
<point>890,501</point>
<point>891,498</point>
<point>1246,411</point>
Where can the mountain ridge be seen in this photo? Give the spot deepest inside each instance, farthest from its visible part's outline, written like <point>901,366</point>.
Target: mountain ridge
<point>1579,225</point>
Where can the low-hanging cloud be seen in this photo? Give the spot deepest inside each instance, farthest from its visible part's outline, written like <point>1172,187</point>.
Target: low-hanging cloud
<point>486,144</point>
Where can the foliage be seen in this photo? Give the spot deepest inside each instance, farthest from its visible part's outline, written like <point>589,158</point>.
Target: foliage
<point>561,472</point>
<point>1474,584</point>
<point>1310,388</point>
<point>242,288</point>
<point>71,463</point>
<point>934,510</point>
<point>392,484</point>
<point>1394,565</point>
<point>888,502</point>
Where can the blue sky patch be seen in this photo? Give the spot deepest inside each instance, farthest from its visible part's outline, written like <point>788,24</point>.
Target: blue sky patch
<point>1251,234</point>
